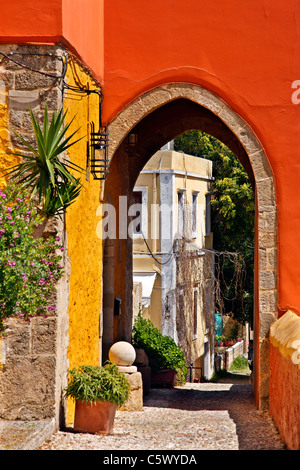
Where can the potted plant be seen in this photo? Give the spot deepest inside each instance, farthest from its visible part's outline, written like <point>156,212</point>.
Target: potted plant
<point>166,359</point>
<point>97,391</point>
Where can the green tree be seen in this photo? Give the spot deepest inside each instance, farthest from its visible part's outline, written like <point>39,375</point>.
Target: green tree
<point>233,210</point>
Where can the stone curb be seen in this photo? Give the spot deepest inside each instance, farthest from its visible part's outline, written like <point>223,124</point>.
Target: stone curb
<point>25,435</point>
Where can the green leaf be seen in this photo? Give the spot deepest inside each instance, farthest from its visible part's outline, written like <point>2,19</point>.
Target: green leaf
<point>43,169</point>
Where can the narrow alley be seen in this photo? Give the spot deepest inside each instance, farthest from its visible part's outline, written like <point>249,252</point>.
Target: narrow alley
<point>202,416</point>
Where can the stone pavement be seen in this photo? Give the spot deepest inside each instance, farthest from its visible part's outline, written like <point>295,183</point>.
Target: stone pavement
<point>205,416</point>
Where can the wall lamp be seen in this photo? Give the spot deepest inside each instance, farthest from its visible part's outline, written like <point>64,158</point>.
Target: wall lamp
<point>99,148</point>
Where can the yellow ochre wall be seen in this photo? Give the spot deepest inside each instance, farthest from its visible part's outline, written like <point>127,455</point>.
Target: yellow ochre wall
<point>6,160</point>
<point>84,247</point>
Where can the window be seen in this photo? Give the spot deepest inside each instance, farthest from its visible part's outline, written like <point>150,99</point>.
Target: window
<point>207,303</point>
<point>137,198</point>
<point>195,312</point>
<point>207,214</point>
<point>138,213</point>
<point>194,214</point>
<point>180,211</point>
<point>180,318</point>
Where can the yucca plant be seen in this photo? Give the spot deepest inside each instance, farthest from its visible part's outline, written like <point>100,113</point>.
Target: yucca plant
<point>44,172</point>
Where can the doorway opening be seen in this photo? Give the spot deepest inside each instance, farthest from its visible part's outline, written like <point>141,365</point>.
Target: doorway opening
<point>137,133</point>
<point>193,251</point>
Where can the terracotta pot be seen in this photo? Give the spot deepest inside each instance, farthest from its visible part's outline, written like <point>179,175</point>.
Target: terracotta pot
<point>94,417</point>
<point>164,377</point>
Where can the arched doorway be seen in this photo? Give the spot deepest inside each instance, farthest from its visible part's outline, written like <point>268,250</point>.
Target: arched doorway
<point>152,120</point>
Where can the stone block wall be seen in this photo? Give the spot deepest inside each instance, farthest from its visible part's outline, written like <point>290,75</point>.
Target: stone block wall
<point>27,381</point>
<point>33,361</point>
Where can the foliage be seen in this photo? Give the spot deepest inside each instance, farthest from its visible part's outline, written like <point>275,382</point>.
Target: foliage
<point>220,338</point>
<point>29,266</point>
<point>43,171</point>
<point>240,364</point>
<point>233,211</point>
<point>162,351</point>
<point>98,384</point>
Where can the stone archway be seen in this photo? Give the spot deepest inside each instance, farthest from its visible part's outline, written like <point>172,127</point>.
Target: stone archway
<point>229,127</point>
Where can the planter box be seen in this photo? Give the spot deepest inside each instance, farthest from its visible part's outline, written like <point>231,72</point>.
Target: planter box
<point>94,417</point>
<point>165,378</point>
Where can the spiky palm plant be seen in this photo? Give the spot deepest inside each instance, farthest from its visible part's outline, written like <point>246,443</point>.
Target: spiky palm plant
<point>43,171</point>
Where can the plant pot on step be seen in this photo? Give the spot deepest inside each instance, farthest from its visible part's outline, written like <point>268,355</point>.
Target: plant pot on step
<point>98,391</point>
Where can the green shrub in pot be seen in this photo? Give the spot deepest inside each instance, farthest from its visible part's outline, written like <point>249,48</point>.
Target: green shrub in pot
<point>162,351</point>
<point>98,384</point>
<point>97,391</point>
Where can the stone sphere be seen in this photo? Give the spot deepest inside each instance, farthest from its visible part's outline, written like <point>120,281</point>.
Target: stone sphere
<point>122,353</point>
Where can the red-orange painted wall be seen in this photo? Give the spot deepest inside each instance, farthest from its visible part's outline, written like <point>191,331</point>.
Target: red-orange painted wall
<point>76,23</point>
<point>247,52</point>
<point>31,21</point>
<point>83,32</point>
<point>284,405</point>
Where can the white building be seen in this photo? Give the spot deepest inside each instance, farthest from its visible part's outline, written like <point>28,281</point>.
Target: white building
<point>171,252</point>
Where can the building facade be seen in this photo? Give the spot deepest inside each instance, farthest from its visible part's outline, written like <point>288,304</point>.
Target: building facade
<point>172,256</point>
<point>162,70</point>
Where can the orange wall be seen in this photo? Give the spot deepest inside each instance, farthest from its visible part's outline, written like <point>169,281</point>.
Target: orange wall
<point>83,32</point>
<point>30,20</point>
<point>76,23</point>
<point>248,52</point>
<point>284,392</point>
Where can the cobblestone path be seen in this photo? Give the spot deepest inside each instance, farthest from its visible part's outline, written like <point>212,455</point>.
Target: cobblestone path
<point>206,416</point>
